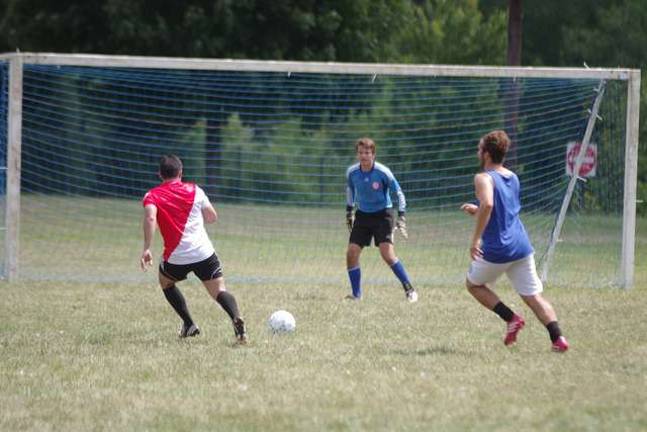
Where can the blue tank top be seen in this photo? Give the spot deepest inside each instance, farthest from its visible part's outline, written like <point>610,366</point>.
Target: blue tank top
<point>505,238</point>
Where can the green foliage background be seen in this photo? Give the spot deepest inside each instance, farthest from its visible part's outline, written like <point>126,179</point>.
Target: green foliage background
<point>600,33</point>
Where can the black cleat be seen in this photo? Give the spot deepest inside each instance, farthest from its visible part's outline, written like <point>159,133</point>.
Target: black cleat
<point>189,331</point>
<point>239,331</point>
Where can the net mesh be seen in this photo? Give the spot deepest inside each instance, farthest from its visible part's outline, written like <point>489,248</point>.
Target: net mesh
<point>271,150</point>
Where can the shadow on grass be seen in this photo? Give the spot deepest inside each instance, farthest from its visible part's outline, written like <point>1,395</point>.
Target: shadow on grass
<point>310,297</point>
<point>436,350</point>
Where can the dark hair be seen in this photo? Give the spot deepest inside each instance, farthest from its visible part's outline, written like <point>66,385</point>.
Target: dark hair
<point>496,144</point>
<point>365,142</point>
<point>170,166</point>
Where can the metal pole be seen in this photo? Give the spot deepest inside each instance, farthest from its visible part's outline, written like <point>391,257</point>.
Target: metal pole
<point>631,173</point>
<point>571,184</point>
<point>12,210</point>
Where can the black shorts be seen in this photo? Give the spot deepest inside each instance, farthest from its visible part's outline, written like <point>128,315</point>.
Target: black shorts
<point>377,226</point>
<point>207,269</point>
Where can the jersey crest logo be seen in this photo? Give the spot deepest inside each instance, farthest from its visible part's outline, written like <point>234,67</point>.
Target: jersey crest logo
<point>376,185</point>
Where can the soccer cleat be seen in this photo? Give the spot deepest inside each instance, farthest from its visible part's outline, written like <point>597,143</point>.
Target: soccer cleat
<point>189,331</point>
<point>514,326</point>
<point>239,331</point>
<point>560,345</point>
<point>352,297</point>
<point>410,292</point>
<point>412,296</point>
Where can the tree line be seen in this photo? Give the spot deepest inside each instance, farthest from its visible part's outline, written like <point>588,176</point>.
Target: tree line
<point>600,33</point>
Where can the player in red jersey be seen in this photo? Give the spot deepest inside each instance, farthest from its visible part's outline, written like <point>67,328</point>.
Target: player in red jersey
<point>181,209</point>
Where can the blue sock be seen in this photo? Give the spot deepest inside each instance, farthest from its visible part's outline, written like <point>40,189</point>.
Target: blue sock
<point>400,272</point>
<point>355,276</point>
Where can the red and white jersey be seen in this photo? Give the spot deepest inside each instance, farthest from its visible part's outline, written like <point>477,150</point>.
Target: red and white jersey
<point>179,216</point>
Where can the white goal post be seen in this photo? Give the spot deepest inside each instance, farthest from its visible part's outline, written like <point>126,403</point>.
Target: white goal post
<point>16,62</point>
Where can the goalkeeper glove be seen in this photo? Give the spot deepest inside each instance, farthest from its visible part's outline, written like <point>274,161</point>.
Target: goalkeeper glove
<point>401,225</point>
<point>350,219</point>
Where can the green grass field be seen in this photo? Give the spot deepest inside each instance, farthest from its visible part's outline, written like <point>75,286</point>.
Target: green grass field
<point>92,240</point>
<point>87,355</point>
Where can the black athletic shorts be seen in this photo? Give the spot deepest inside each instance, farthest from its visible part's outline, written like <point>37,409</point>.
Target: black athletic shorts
<point>205,270</point>
<point>377,226</point>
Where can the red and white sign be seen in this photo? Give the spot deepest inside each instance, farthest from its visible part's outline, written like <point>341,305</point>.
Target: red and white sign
<point>589,163</point>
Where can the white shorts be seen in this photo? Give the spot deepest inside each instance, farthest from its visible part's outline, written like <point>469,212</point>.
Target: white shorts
<point>522,274</point>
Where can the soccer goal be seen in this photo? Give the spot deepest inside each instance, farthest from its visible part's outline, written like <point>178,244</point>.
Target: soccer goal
<point>270,142</point>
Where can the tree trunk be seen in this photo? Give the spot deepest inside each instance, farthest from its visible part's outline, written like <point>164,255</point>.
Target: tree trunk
<point>515,26</point>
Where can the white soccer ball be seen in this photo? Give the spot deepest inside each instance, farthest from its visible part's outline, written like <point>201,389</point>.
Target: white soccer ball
<point>282,321</point>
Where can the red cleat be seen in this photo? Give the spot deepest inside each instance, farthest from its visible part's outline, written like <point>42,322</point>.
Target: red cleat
<point>514,326</point>
<point>560,345</point>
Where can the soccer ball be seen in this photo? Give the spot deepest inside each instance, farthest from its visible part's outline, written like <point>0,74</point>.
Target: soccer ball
<point>282,322</point>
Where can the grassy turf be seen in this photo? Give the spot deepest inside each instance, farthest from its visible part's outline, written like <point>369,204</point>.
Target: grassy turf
<point>91,240</point>
<point>105,356</point>
<point>84,355</point>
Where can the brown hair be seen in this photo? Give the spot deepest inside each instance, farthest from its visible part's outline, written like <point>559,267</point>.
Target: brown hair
<point>170,166</point>
<point>367,143</point>
<point>496,144</point>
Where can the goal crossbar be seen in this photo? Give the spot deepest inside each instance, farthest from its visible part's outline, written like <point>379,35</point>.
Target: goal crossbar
<point>319,67</point>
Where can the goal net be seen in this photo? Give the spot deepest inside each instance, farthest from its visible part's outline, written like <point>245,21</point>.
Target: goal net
<point>270,143</point>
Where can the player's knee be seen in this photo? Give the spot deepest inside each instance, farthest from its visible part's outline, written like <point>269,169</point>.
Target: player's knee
<point>472,287</point>
<point>353,252</point>
<point>390,259</point>
<point>387,253</point>
<point>166,285</point>
<point>533,299</point>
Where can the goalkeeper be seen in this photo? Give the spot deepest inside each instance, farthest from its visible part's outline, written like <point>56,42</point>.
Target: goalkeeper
<point>369,185</point>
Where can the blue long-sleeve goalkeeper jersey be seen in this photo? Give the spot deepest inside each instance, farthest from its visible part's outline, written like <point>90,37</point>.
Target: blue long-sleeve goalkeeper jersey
<point>371,190</point>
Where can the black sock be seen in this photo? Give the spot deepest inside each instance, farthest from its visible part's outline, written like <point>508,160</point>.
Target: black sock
<point>503,311</point>
<point>228,303</point>
<point>553,330</point>
<point>176,299</point>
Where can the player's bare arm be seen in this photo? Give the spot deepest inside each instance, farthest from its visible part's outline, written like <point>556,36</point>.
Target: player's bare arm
<point>149,224</point>
<point>485,194</point>
<point>470,208</point>
<point>209,214</point>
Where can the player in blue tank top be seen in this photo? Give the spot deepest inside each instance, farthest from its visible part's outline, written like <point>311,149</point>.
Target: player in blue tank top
<point>369,185</point>
<point>500,244</point>
<point>505,238</point>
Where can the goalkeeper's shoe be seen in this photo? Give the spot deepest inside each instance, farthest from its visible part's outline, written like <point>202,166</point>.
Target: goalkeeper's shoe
<point>189,330</point>
<point>239,331</point>
<point>514,326</point>
<point>410,292</point>
<point>560,345</point>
